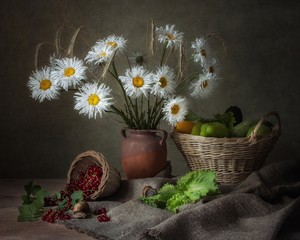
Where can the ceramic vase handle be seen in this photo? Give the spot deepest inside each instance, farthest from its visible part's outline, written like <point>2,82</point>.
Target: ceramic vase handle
<point>164,135</point>
<point>123,132</point>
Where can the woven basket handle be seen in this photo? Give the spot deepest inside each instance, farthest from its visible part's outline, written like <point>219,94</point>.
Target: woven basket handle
<point>276,128</point>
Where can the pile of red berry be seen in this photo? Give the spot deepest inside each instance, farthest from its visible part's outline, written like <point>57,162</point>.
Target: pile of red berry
<point>102,215</point>
<point>87,181</point>
<point>54,215</point>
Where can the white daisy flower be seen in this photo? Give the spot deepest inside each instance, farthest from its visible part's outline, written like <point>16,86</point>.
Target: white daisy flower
<point>69,72</point>
<point>201,50</point>
<point>170,36</point>
<point>136,81</point>
<point>115,42</point>
<point>100,53</point>
<point>93,99</point>
<point>212,67</point>
<point>204,85</point>
<point>42,86</point>
<point>175,110</point>
<point>164,82</point>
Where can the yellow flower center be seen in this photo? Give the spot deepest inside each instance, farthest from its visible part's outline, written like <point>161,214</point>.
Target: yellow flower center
<point>163,82</point>
<point>170,36</point>
<point>69,71</point>
<point>93,99</point>
<point>204,84</point>
<point>138,82</point>
<point>112,44</point>
<point>103,54</point>
<point>175,109</point>
<point>45,84</point>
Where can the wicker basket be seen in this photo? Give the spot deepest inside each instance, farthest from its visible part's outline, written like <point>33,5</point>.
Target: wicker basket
<point>233,159</point>
<point>110,181</point>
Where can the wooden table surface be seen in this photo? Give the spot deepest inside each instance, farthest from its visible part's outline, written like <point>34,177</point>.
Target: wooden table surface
<point>10,229</point>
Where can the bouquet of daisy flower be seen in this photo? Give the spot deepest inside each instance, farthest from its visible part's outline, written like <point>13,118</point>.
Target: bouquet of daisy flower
<point>140,96</point>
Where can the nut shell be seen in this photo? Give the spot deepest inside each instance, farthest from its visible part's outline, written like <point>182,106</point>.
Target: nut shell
<point>149,191</point>
<point>81,206</point>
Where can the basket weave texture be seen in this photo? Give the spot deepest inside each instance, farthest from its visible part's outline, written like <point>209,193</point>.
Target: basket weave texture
<point>110,180</point>
<point>233,159</point>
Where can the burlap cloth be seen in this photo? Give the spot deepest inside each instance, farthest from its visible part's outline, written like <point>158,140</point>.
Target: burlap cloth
<point>264,206</point>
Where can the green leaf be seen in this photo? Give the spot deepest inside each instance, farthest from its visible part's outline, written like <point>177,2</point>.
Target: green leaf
<point>41,194</point>
<point>76,197</point>
<point>176,201</point>
<point>32,188</point>
<point>26,199</point>
<point>27,213</point>
<point>62,204</point>
<point>191,116</point>
<point>38,204</point>
<point>57,195</point>
<point>225,118</point>
<point>36,189</point>
<point>33,202</point>
<point>28,186</point>
<point>26,209</point>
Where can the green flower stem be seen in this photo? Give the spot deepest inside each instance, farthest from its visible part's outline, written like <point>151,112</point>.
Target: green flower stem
<point>155,113</point>
<point>120,113</point>
<point>158,112</point>
<point>136,110</point>
<point>160,116</point>
<point>128,101</point>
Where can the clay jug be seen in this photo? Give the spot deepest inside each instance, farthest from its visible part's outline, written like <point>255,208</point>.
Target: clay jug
<point>143,152</point>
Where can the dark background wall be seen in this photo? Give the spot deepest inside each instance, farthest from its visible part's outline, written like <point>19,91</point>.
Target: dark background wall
<point>261,75</point>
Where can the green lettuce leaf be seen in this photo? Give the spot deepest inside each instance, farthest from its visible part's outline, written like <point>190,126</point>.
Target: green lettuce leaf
<point>189,188</point>
<point>159,200</point>
<point>177,201</point>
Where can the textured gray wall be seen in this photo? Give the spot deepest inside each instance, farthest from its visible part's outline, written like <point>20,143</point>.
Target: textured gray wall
<point>41,140</point>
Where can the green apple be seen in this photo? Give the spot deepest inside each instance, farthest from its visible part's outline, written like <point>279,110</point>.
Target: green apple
<point>196,128</point>
<point>214,129</point>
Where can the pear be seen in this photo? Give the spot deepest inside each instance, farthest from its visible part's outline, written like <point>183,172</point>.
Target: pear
<point>197,128</point>
<point>262,131</point>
